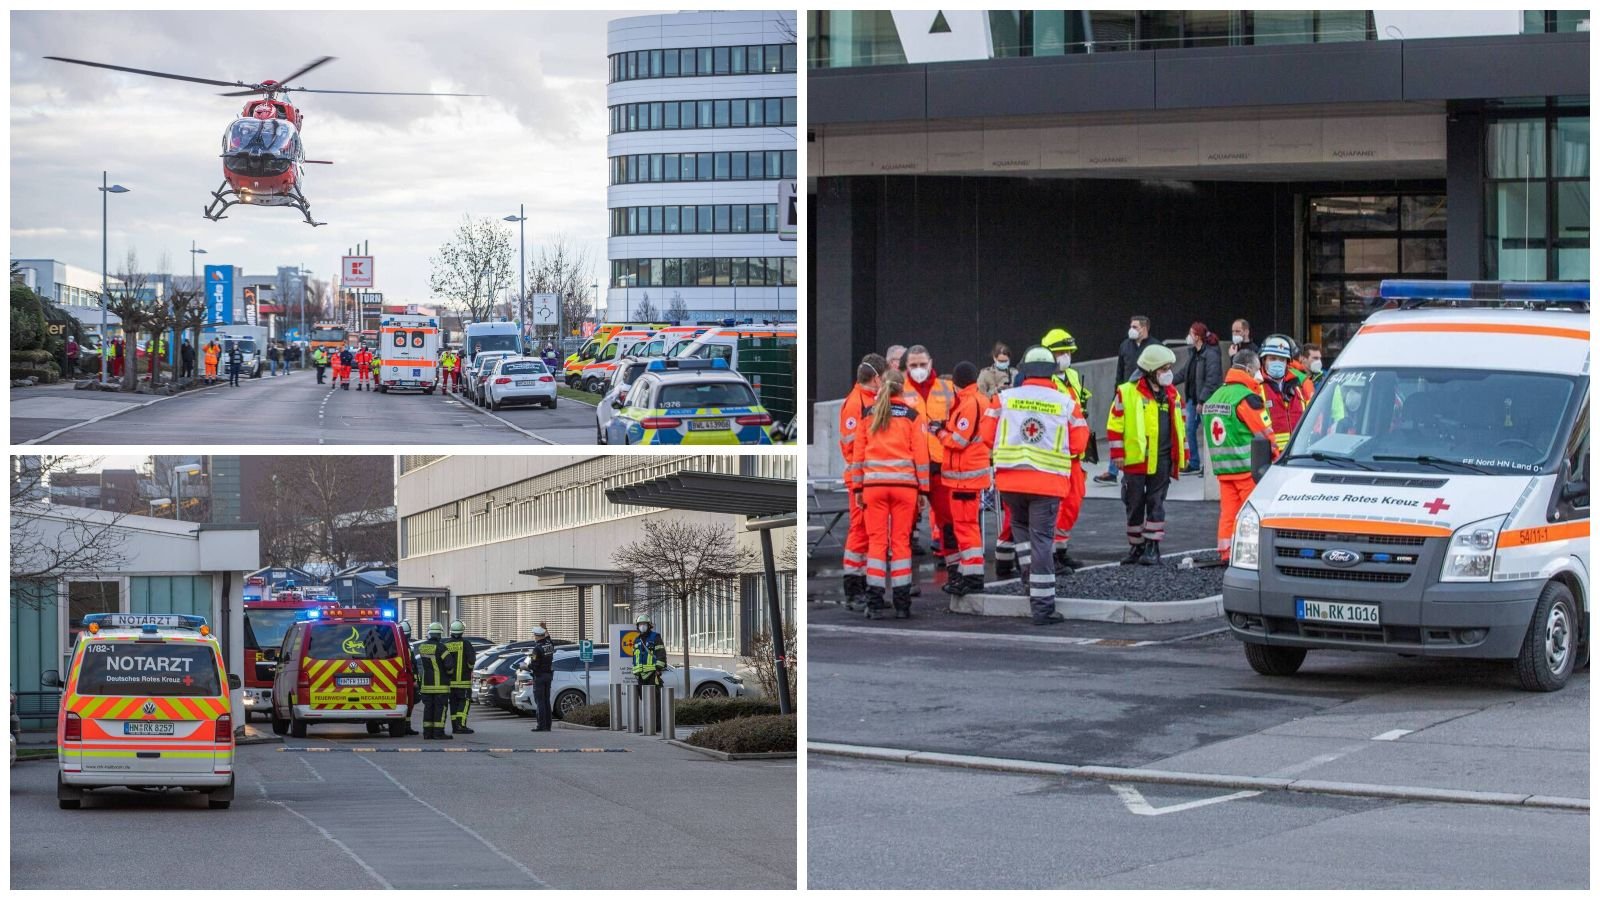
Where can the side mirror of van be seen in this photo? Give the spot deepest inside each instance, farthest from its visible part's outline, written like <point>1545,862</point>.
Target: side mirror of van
<point>1260,457</point>
<point>50,678</point>
<point>235,682</point>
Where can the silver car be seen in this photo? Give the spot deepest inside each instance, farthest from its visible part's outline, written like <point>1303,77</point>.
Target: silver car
<point>616,393</point>
<point>567,686</point>
<point>472,377</point>
<point>519,379</point>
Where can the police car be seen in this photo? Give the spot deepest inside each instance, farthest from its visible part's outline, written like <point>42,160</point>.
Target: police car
<point>689,401</point>
<point>145,705</point>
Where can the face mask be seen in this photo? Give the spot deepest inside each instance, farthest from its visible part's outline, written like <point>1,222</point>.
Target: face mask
<point>1316,367</point>
<point>1352,401</point>
<point>1064,360</point>
<point>919,374</point>
<point>1165,378</point>
<point>1276,368</point>
<point>1002,364</point>
<point>1133,334</point>
<point>1257,376</point>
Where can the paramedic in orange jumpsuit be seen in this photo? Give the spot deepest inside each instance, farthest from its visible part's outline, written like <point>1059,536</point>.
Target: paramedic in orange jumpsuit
<point>891,475</point>
<point>966,474</point>
<point>936,396</point>
<point>853,413</point>
<point>363,364</point>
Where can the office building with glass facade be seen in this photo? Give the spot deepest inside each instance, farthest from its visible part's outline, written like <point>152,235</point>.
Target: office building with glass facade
<point>702,111</point>
<point>976,176</point>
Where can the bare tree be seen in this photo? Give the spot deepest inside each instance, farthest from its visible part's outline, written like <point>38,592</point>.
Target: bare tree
<point>645,311</point>
<point>189,314</point>
<point>677,310</point>
<point>472,265</point>
<point>49,543</point>
<point>334,509</point>
<point>563,269</point>
<point>681,560</point>
<point>126,302</point>
<point>763,661</point>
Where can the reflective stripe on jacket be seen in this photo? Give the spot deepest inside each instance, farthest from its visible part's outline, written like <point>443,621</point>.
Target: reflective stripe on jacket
<point>857,406</point>
<point>646,648</point>
<point>1134,431</point>
<point>935,407</point>
<point>897,456</point>
<point>433,662</point>
<point>1230,418</point>
<point>1035,429</point>
<point>966,456</point>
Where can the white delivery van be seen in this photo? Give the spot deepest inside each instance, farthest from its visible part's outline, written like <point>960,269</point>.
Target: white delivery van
<point>408,347</point>
<point>1434,499</point>
<point>481,336</point>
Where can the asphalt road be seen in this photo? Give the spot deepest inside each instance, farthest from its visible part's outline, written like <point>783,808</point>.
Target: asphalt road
<point>289,409</point>
<point>339,820</point>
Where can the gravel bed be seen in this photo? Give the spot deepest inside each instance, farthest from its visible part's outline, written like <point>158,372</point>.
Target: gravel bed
<point>1142,584</point>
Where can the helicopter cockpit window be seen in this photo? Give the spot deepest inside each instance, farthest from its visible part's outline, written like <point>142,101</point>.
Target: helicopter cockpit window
<point>260,146</point>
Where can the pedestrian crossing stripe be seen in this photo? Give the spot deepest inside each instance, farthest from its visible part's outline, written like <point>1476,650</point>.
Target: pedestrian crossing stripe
<point>453,750</point>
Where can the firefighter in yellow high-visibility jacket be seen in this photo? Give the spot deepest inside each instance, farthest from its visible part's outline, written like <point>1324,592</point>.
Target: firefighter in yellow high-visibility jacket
<point>1145,431</point>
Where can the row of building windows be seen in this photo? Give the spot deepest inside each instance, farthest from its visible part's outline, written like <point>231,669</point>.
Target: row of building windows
<point>722,218</point>
<point>718,271</point>
<point>673,115</point>
<point>686,62</point>
<point>737,165</point>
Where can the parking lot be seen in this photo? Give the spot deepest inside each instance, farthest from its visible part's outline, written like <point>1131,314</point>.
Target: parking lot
<point>311,814</point>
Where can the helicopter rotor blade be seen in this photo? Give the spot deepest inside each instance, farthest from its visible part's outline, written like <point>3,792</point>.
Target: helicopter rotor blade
<point>379,93</point>
<point>84,62</point>
<point>306,68</point>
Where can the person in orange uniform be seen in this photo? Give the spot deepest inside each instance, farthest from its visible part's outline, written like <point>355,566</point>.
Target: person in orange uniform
<point>891,474</point>
<point>461,367</point>
<point>363,367</point>
<point>966,475</point>
<point>936,396</point>
<point>857,409</point>
<point>213,359</point>
<point>1036,429</point>
<point>1230,419</point>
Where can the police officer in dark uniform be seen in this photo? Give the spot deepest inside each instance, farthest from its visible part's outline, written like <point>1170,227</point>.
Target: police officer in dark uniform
<point>434,664</point>
<point>235,363</point>
<point>348,360</point>
<point>460,672</point>
<point>540,663</point>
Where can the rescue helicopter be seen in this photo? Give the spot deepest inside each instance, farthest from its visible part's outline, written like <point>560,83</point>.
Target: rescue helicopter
<point>262,157</point>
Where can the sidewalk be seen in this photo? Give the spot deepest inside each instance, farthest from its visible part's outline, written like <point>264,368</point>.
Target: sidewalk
<point>44,409</point>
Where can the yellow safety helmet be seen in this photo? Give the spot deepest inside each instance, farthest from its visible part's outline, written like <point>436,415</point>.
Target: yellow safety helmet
<point>1060,340</point>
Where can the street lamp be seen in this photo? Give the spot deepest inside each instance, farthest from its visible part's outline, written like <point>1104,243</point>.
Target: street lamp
<point>162,502</point>
<point>194,251</point>
<point>105,277</point>
<point>305,289</point>
<point>594,288</point>
<point>181,472</point>
<point>521,218</point>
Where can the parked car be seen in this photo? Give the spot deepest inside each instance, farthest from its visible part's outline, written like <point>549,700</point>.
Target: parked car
<point>492,685</point>
<point>567,689</point>
<point>616,392</point>
<point>472,378</point>
<point>691,401</point>
<point>520,379</point>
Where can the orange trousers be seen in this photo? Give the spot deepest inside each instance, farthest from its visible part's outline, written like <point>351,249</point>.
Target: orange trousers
<point>939,530</point>
<point>966,550</point>
<point>1071,506</point>
<point>891,516</point>
<point>1235,491</point>
<point>855,541</point>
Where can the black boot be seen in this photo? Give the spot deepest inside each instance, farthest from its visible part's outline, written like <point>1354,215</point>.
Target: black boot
<point>873,609</point>
<point>1151,555</point>
<point>443,735</point>
<point>974,584</point>
<point>902,603</point>
<point>1066,563</point>
<point>854,587</point>
<point>958,585</point>
<point>1051,618</point>
<point>462,730</point>
<point>1004,568</point>
<point>952,579</point>
<point>1134,553</point>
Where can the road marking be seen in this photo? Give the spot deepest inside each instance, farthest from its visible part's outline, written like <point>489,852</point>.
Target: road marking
<point>454,750</point>
<point>1139,806</point>
<point>383,882</point>
<point>128,407</point>
<point>1003,638</point>
<point>446,816</point>
<point>1394,735</point>
<point>1320,759</point>
<point>476,408</point>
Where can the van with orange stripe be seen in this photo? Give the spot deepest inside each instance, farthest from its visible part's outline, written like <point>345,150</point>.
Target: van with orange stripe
<point>1434,499</point>
<point>145,705</point>
<point>346,665</point>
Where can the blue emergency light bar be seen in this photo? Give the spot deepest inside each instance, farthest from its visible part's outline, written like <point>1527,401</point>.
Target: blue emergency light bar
<point>313,614</point>
<point>144,622</point>
<point>689,363</point>
<point>1556,292</point>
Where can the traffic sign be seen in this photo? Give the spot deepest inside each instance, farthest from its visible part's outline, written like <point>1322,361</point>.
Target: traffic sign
<point>545,309</point>
<point>788,210</point>
<point>586,651</point>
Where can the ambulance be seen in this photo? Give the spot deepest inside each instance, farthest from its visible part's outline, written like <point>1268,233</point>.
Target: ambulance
<point>408,346</point>
<point>1434,499</point>
<point>572,366</point>
<point>145,705</point>
<point>345,665</point>
<point>593,376</point>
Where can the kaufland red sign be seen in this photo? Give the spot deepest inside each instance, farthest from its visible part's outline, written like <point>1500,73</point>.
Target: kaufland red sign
<point>357,271</point>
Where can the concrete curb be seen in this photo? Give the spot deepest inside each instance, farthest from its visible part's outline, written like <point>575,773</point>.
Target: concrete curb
<point>1203,779</point>
<point>575,727</point>
<point>1124,612</point>
<point>259,739</point>
<point>731,757</point>
<point>128,408</point>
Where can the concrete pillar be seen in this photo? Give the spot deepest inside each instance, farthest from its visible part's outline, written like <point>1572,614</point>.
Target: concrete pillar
<point>1464,200</point>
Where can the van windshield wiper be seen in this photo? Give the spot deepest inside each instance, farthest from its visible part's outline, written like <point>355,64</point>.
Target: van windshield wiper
<point>1427,460</point>
<point>1322,457</point>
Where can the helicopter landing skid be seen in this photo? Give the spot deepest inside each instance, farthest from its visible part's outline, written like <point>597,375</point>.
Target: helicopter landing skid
<point>224,197</point>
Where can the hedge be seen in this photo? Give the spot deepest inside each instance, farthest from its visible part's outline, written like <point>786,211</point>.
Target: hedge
<point>706,712</point>
<point>597,715</point>
<point>750,734</point>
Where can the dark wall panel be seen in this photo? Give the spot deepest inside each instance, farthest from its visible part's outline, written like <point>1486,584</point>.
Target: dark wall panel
<point>1527,65</point>
<point>1041,86</point>
<point>1354,72</point>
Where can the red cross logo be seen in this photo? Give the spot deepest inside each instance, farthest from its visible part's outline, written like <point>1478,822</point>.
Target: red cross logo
<point>188,680</point>
<point>1217,431</point>
<point>1031,429</point>
<point>1434,506</point>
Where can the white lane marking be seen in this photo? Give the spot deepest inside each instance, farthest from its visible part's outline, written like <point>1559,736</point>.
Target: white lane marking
<point>1394,735</point>
<point>1320,759</point>
<point>127,407</point>
<point>309,768</point>
<point>965,635</point>
<point>476,408</point>
<point>382,882</point>
<point>1139,806</point>
<point>443,815</point>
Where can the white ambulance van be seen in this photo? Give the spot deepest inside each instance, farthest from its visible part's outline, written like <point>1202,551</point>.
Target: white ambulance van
<point>1434,499</point>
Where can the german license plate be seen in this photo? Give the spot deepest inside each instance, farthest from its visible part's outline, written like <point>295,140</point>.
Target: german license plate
<point>148,728</point>
<point>708,424</point>
<point>1342,613</point>
<point>526,382</point>
<point>354,680</point>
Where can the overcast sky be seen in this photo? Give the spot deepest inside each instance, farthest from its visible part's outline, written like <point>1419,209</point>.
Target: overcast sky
<point>405,168</point>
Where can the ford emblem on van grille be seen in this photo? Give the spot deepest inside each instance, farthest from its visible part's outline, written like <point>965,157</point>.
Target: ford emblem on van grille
<point>1340,557</point>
